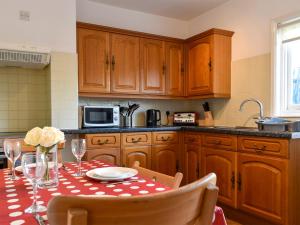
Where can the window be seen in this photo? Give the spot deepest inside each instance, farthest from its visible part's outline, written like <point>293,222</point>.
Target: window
<point>286,89</point>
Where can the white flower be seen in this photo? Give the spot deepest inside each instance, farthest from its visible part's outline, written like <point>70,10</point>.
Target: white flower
<point>51,136</point>
<point>33,136</point>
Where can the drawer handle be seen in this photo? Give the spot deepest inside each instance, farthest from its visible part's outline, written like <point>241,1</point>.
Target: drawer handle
<point>165,139</point>
<point>136,141</point>
<point>103,143</point>
<point>259,149</point>
<point>192,140</point>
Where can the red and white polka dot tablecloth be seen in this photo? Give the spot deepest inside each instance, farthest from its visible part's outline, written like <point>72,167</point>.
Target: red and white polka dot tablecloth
<point>16,196</point>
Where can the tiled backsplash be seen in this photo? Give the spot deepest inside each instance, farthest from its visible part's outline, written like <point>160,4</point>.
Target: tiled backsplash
<point>140,114</point>
<point>24,99</point>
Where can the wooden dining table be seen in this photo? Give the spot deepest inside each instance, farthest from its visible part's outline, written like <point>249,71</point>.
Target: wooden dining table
<point>16,196</point>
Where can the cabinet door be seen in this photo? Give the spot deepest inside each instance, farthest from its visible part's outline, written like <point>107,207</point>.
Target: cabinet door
<point>263,186</point>
<point>153,67</point>
<point>199,67</point>
<point>125,69</point>
<point>192,162</point>
<point>93,61</point>
<point>174,69</point>
<point>111,156</point>
<point>138,153</point>
<point>223,164</point>
<point>164,159</point>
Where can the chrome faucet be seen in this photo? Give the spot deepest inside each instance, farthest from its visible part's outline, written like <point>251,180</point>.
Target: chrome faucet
<point>261,107</point>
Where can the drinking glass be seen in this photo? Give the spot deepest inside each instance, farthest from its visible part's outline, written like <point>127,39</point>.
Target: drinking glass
<point>78,150</point>
<point>12,150</point>
<point>33,169</point>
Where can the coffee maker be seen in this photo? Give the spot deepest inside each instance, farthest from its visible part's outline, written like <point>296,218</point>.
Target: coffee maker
<point>153,117</point>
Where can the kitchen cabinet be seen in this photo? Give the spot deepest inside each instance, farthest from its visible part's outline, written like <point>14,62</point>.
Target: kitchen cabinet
<point>126,64</point>
<point>209,64</point>
<point>93,61</point>
<point>141,154</point>
<point>136,147</point>
<point>165,152</point>
<point>105,147</point>
<point>153,67</point>
<point>223,164</point>
<point>109,155</point>
<point>125,68</point>
<point>192,157</point>
<point>262,186</point>
<point>174,69</point>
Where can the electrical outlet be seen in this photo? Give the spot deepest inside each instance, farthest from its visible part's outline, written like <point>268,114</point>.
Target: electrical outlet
<point>24,15</point>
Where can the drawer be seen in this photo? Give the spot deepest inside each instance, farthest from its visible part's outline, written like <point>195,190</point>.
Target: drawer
<point>103,140</point>
<point>266,146</point>
<point>190,138</point>
<point>131,139</point>
<point>159,138</point>
<point>228,142</point>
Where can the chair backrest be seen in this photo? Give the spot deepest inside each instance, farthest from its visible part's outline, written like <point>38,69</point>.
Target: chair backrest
<point>173,182</point>
<point>192,204</point>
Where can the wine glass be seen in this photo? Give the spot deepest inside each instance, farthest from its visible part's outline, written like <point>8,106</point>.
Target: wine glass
<point>78,150</point>
<point>33,169</point>
<point>12,150</point>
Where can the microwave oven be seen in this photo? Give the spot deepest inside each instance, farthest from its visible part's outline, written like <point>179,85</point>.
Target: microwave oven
<point>99,116</point>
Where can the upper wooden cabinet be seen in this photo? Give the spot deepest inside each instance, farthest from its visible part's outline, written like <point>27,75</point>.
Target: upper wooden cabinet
<point>209,64</point>
<point>125,68</point>
<point>127,64</point>
<point>93,61</point>
<point>153,68</point>
<point>174,69</point>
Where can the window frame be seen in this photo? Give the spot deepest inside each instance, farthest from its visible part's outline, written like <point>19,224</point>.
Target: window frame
<point>278,82</point>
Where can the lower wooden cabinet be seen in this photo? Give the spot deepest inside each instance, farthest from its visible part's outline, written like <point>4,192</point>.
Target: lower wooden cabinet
<point>139,153</point>
<point>262,187</point>
<point>108,155</point>
<point>164,159</point>
<point>223,164</point>
<point>192,162</point>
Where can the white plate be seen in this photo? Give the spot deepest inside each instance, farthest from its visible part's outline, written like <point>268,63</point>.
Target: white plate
<point>20,170</point>
<point>111,173</point>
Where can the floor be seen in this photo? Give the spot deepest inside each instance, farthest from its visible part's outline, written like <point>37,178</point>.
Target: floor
<point>231,222</point>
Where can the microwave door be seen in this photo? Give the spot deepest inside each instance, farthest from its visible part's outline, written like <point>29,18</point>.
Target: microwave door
<point>99,116</point>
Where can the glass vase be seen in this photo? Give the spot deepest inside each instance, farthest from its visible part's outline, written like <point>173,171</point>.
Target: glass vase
<point>48,155</point>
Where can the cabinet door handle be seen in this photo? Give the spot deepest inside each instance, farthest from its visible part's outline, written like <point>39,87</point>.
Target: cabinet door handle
<point>107,61</point>
<point>232,180</point>
<point>165,139</point>
<point>239,182</point>
<point>164,69</point>
<point>182,69</point>
<point>177,165</point>
<point>113,62</point>
<point>197,171</point>
<point>210,65</point>
<point>136,140</point>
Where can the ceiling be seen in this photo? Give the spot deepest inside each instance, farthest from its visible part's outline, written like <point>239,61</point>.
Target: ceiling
<point>179,9</point>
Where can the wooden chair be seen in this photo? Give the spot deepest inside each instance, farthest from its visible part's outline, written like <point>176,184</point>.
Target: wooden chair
<point>173,182</point>
<point>192,204</point>
<point>28,148</point>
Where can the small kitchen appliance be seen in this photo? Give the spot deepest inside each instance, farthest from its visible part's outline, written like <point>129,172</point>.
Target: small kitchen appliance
<point>185,118</point>
<point>153,117</point>
<point>99,116</point>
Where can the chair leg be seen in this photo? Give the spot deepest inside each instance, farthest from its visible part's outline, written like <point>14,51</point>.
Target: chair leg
<point>77,216</point>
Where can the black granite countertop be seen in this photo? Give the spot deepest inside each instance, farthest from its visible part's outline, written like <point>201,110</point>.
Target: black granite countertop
<point>214,129</point>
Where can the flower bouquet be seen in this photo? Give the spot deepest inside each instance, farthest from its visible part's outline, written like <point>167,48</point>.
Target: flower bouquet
<point>45,141</point>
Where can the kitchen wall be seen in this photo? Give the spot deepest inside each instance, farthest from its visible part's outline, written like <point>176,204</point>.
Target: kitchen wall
<point>251,51</point>
<point>24,99</point>
<point>92,12</point>
<point>52,25</point>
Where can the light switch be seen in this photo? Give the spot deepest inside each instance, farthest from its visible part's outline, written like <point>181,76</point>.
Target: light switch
<point>24,15</point>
